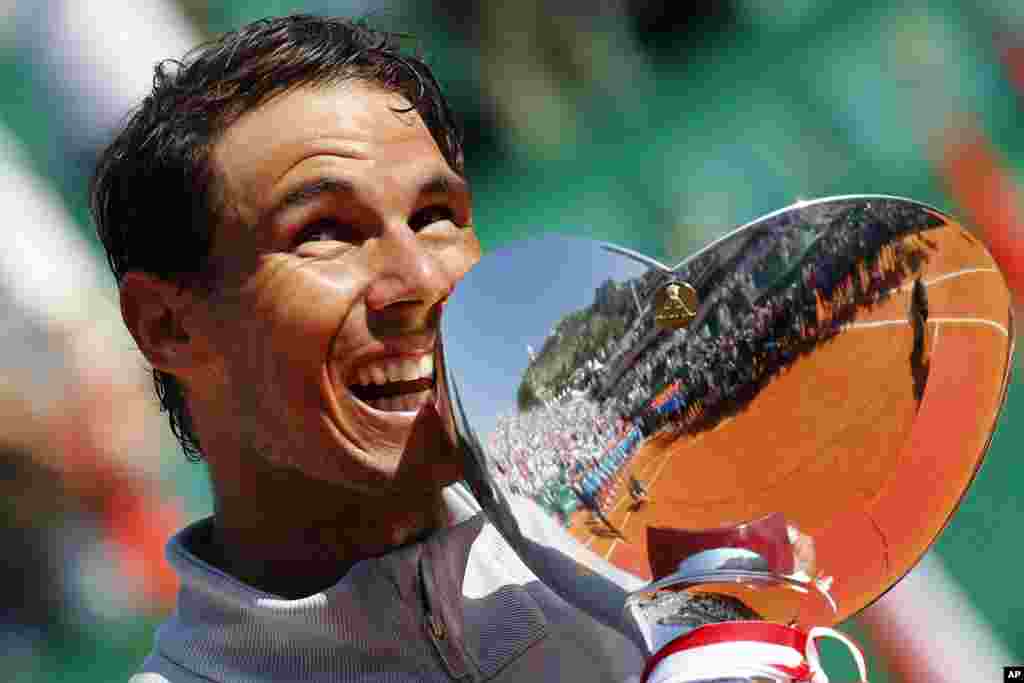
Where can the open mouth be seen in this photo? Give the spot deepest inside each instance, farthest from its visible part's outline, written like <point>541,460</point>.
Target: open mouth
<point>395,384</point>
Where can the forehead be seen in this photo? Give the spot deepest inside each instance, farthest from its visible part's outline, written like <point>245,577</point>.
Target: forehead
<point>360,127</point>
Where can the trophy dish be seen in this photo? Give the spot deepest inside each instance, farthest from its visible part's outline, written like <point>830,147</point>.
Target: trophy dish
<point>774,430</point>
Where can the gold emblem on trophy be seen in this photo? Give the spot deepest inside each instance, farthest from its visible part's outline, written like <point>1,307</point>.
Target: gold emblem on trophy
<point>675,305</point>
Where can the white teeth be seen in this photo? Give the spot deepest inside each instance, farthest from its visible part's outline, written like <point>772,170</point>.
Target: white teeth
<point>395,370</point>
<point>409,369</point>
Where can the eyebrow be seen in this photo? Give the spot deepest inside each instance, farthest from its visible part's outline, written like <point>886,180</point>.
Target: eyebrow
<point>309,192</point>
<point>316,188</point>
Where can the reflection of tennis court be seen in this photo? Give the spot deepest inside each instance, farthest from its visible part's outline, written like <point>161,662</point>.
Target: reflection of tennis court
<point>823,442</point>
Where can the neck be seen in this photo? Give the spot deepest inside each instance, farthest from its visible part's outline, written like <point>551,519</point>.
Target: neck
<point>299,536</point>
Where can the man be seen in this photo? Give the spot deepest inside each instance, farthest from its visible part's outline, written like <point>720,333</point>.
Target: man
<point>637,490</point>
<point>286,214</point>
<point>918,320</point>
<point>588,495</point>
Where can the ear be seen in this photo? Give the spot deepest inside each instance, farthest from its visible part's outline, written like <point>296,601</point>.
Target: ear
<point>157,312</point>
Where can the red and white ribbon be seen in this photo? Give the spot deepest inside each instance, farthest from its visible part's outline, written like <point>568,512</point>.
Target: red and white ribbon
<point>746,649</point>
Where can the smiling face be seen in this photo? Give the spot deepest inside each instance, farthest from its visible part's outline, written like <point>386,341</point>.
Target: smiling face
<point>346,229</point>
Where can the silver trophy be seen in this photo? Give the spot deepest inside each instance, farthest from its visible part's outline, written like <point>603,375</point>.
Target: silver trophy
<point>725,458</point>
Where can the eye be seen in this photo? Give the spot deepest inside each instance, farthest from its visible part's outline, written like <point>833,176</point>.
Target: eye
<point>326,230</point>
<point>430,215</point>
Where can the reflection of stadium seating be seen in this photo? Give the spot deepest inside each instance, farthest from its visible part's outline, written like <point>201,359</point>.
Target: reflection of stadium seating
<point>701,274</point>
<point>837,271</point>
<point>544,453</point>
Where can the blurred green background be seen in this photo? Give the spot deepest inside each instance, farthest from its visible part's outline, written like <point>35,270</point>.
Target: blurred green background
<point>658,125</point>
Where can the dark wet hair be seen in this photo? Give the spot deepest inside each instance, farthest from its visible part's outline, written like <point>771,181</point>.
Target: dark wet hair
<point>155,197</point>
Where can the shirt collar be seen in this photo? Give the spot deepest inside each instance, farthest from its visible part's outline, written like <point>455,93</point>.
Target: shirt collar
<point>224,620</point>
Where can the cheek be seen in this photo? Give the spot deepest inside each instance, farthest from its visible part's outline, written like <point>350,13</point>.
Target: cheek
<point>312,299</point>
<point>291,318</point>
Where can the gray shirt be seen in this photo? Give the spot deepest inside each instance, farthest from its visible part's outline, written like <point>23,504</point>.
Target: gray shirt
<point>460,605</point>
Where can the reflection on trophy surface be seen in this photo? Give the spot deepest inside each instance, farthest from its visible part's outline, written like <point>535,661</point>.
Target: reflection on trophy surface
<point>777,428</point>
<point>675,305</point>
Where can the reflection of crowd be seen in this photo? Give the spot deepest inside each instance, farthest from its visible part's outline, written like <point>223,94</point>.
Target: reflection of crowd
<point>760,331</point>
<point>562,454</point>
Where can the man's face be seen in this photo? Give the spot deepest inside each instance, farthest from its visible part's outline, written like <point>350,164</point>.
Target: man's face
<point>346,229</point>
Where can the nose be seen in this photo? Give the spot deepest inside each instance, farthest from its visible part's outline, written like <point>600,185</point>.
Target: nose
<point>410,280</point>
